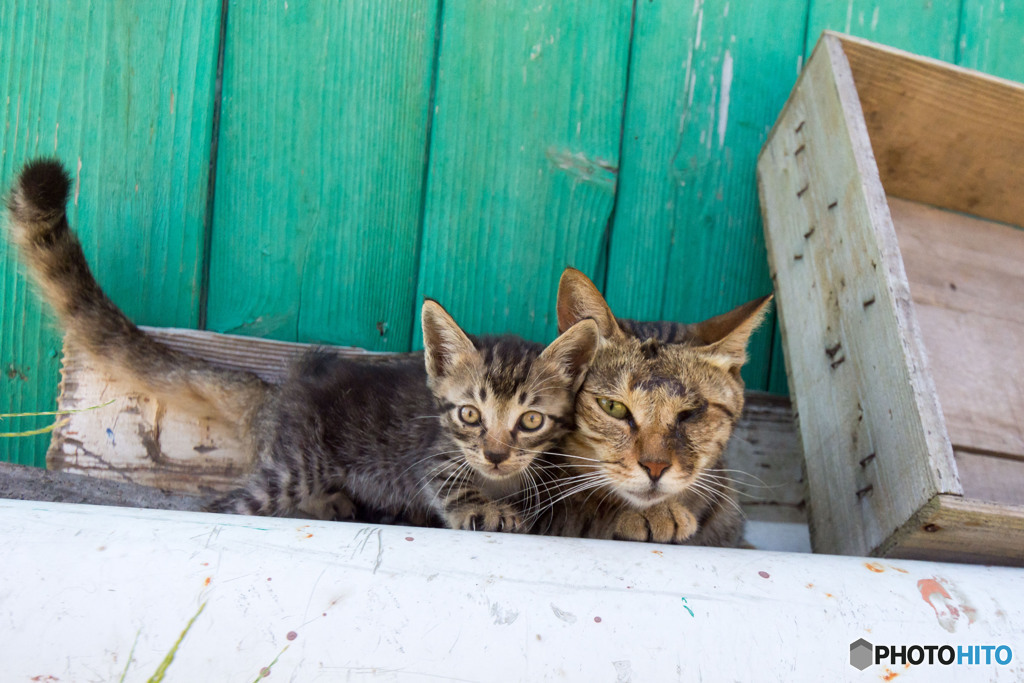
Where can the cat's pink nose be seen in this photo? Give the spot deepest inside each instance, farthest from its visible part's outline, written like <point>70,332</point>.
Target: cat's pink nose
<point>654,469</point>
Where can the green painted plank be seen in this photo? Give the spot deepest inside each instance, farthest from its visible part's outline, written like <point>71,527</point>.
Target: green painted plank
<point>123,94</point>
<point>320,170</point>
<point>706,84</point>
<point>992,37</point>
<point>925,27</point>
<point>525,144</point>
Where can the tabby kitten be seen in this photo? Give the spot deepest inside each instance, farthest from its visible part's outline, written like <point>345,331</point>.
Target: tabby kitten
<point>653,416</point>
<point>451,435</point>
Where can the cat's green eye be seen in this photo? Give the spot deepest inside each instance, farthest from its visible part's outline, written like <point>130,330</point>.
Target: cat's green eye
<point>469,415</point>
<point>616,409</point>
<point>531,421</point>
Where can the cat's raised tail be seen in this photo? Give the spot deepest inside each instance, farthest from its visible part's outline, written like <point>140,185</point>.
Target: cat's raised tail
<point>38,226</point>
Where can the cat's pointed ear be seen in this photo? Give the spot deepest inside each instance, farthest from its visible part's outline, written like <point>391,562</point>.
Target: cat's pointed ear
<point>578,299</point>
<point>574,350</point>
<point>727,334</point>
<point>443,340</point>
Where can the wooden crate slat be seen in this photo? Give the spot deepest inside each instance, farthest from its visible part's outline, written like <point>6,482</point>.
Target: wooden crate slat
<point>941,134</point>
<point>706,82</point>
<point>872,430</point>
<point>131,118</point>
<point>967,280</point>
<point>525,157</point>
<point>320,169</point>
<point>953,529</point>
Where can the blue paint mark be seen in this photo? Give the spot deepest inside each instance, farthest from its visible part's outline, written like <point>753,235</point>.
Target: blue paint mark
<point>110,435</point>
<point>687,607</point>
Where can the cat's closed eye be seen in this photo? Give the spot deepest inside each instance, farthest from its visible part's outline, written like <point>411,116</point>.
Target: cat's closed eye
<point>531,421</point>
<point>469,415</point>
<point>690,414</point>
<point>616,409</point>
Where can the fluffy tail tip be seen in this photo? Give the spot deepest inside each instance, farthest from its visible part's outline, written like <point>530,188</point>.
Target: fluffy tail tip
<point>42,188</point>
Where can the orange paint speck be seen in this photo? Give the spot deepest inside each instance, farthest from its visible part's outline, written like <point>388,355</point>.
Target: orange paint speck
<point>309,535</point>
<point>889,675</point>
<point>207,582</point>
<point>875,567</point>
<point>828,595</point>
<point>930,587</point>
<point>810,585</point>
<point>657,552</point>
<point>901,571</point>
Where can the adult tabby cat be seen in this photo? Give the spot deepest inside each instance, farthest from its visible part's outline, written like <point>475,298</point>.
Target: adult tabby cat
<point>653,416</point>
<point>454,440</point>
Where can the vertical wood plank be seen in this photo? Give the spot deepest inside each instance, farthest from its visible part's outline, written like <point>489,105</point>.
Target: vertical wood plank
<point>123,94</point>
<point>934,34</point>
<point>992,37</point>
<point>320,170</point>
<point>926,27</point>
<point>706,84</point>
<point>525,149</point>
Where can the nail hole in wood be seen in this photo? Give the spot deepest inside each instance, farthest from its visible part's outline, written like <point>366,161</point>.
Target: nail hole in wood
<point>831,352</point>
<point>864,491</point>
<point>809,233</point>
<point>931,528</point>
<point>797,257</point>
<point>837,363</point>
<point>833,205</point>
<point>800,127</point>
<point>869,302</point>
<point>865,461</point>
<point>800,192</point>
<point>799,150</point>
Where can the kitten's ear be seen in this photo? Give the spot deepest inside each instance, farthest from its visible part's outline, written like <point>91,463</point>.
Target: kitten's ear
<point>574,350</point>
<point>443,340</point>
<point>578,299</point>
<point>727,334</point>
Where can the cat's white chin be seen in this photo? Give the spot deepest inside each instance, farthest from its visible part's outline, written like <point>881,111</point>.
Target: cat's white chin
<point>643,499</point>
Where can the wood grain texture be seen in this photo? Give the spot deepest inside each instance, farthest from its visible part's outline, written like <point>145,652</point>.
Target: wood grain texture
<point>523,173</point>
<point>706,83</point>
<point>872,431</point>
<point>967,280</point>
<point>952,529</point>
<point>140,440</point>
<point>992,37</point>
<point>941,134</point>
<point>131,118</point>
<point>927,27</point>
<point>320,170</point>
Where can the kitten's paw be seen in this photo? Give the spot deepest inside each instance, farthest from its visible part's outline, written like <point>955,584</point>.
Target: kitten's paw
<point>485,517</point>
<point>668,522</point>
<point>334,507</point>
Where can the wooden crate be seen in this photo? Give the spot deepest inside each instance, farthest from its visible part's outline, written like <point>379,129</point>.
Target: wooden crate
<point>891,187</point>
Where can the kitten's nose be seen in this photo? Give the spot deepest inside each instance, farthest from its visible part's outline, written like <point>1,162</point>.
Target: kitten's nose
<point>496,457</point>
<point>654,469</point>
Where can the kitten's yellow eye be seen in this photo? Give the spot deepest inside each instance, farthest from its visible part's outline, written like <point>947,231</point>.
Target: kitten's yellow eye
<point>531,421</point>
<point>614,408</point>
<point>469,415</point>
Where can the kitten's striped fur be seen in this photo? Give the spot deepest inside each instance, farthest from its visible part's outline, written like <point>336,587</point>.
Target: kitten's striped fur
<point>388,436</point>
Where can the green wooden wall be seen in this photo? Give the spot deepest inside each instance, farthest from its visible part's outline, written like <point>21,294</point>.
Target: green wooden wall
<point>309,170</point>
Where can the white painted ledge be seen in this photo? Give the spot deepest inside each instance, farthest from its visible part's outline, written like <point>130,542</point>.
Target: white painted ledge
<point>80,586</point>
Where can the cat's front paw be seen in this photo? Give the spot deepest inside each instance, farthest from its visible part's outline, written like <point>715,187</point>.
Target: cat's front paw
<point>485,517</point>
<point>668,522</point>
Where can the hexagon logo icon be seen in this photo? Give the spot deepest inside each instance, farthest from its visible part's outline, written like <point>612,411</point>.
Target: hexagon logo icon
<point>861,652</point>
